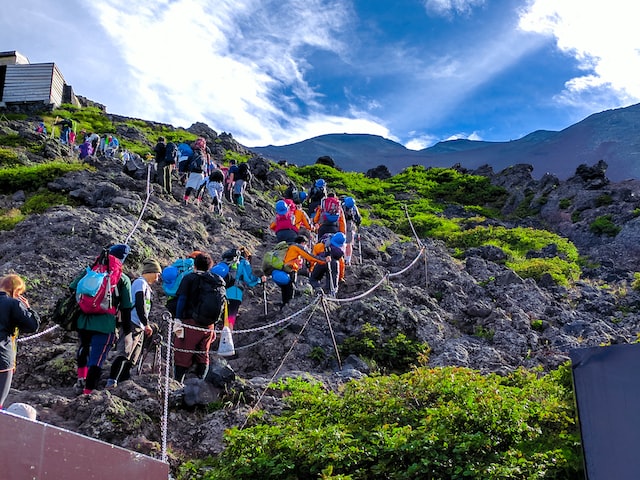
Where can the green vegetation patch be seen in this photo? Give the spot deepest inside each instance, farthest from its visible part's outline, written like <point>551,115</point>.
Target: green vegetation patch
<point>33,177</point>
<point>450,423</point>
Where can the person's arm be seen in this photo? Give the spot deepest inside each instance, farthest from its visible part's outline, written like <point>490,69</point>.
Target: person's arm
<point>342,224</point>
<point>139,306</point>
<point>246,274</point>
<point>26,319</point>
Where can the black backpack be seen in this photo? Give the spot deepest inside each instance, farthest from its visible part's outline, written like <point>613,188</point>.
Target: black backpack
<point>171,154</point>
<point>196,161</point>
<point>244,172</point>
<point>211,300</point>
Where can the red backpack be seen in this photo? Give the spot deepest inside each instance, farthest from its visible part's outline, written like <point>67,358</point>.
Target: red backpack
<point>330,207</point>
<point>102,279</point>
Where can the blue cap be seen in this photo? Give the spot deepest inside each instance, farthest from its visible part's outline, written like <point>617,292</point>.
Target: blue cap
<point>120,251</point>
<point>280,277</point>
<point>337,240</point>
<point>349,202</point>
<point>320,183</point>
<point>302,195</point>
<point>281,207</point>
<point>221,269</point>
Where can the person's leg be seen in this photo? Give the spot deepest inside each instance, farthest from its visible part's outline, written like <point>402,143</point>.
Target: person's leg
<point>203,347</point>
<point>82,359</point>
<point>234,307</point>
<point>287,293</point>
<point>5,385</point>
<point>100,346</point>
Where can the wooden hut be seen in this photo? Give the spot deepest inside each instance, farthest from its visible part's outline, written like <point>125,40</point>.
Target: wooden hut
<point>24,83</point>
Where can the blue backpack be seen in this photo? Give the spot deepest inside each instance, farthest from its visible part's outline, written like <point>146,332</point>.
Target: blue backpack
<point>173,275</point>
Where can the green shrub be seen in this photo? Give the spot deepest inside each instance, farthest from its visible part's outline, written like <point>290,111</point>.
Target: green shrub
<point>10,218</point>
<point>33,177</point>
<point>604,200</point>
<point>604,225</point>
<point>450,423</point>
<point>40,202</point>
<point>565,203</point>
<point>397,353</point>
<point>8,157</point>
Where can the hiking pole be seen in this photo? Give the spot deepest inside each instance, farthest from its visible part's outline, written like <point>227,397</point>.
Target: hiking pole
<point>359,248</point>
<point>264,297</point>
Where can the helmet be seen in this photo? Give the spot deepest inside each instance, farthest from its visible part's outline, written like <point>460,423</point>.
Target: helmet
<point>302,195</point>
<point>281,207</point>
<point>320,183</point>
<point>337,240</point>
<point>221,269</point>
<point>349,202</point>
<point>280,277</point>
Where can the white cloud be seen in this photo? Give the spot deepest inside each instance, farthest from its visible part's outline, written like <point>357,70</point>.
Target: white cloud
<point>603,37</point>
<point>451,7</point>
<point>241,63</point>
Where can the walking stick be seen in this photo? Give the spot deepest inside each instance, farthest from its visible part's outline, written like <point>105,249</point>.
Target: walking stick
<point>264,297</point>
<point>359,248</point>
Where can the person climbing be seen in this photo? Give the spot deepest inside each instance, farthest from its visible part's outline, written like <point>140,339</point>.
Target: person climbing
<point>352,222</point>
<point>97,331</point>
<point>241,273</point>
<point>284,225</point>
<point>330,247</point>
<point>241,181</point>
<point>296,259</point>
<point>184,154</point>
<point>166,166</point>
<point>329,217</point>
<point>192,340</point>
<point>317,193</point>
<point>132,335</point>
<point>15,316</point>
<point>159,152</point>
<point>230,179</point>
<point>214,184</point>
<point>196,168</point>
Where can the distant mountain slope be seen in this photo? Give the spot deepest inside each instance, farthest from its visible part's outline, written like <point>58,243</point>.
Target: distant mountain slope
<point>612,136</point>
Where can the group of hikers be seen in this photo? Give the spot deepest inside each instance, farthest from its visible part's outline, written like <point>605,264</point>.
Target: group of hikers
<point>200,174</point>
<point>314,238</point>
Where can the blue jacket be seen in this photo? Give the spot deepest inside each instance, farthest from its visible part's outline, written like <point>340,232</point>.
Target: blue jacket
<point>13,315</point>
<point>244,276</point>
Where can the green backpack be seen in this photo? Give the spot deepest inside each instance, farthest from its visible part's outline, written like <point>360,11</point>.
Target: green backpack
<point>274,259</point>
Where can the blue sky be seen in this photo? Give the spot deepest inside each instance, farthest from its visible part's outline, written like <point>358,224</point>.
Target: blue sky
<point>281,71</point>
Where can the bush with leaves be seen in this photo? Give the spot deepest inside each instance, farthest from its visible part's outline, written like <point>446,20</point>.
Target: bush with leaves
<point>449,422</point>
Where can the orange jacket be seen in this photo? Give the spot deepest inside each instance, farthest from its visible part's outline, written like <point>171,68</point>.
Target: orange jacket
<point>342,224</point>
<point>319,249</point>
<point>302,220</point>
<point>296,255</point>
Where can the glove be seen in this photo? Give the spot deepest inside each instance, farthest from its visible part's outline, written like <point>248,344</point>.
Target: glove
<point>178,329</point>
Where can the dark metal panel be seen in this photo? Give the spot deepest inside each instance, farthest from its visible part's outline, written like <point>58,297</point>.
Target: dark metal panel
<point>607,388</point>
<point>38,451</point>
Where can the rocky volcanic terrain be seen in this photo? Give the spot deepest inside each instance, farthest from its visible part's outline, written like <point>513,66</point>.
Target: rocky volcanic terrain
<point>441,300</point>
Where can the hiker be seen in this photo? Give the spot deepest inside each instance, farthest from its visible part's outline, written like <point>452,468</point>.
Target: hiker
<point>166,166</point>
<point>159,152</point>
<point>184,154</point>
<point>132,335</point>
<point>85,149</point>
<point>284,225</point>
<point>111,146</point>
<point>329,217</point>
<point>41,128</point>
<point>352,222</point>
<point>94,138</point>
<point>241,180</point>
<point>330,248</point>
<point>296,259</point>
<point>230,180</point>
<point>192,340</point>
<point>15,316</point>
<point>65,128</point>
<point>214,184</point>
<point>317,193</point>
<point>195,169</point>
<point>97,331</point>
<point>242,274</point>
<point>301,220</point>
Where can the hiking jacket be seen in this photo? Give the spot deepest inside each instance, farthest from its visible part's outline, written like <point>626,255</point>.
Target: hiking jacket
<point>296,256</point>
<point>321,250</point>
<point>105,322</point>
<point>14,317</point>
<point>330,227</point>
<point>244,276</point>
<point>301,219</point>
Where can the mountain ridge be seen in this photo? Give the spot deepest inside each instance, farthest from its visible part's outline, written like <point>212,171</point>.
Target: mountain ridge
<point>610,135</point>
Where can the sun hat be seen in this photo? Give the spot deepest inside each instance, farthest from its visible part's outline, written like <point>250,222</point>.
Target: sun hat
<point>337,240</point>
<point>281,207</point>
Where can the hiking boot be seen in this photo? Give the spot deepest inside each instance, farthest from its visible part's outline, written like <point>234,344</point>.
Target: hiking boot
<point>79,386</point>
<point>111,384</point>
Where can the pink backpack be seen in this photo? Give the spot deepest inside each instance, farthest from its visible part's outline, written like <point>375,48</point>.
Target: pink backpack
<point>102,279</point>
